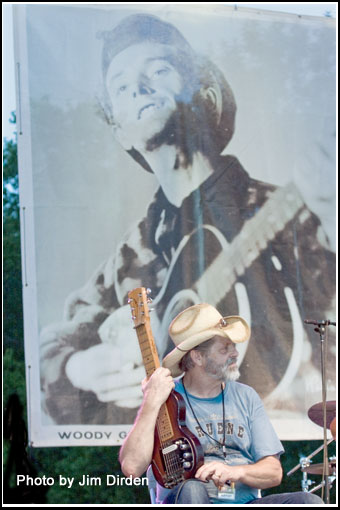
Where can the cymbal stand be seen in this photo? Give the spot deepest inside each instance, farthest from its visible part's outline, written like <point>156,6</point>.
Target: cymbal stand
<point>305,459</point>
<point>321,329</point>
<point>331,479</point>
<point>305,482</point>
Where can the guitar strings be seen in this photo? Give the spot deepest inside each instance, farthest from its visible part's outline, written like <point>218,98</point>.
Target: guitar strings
<point>162,443</point>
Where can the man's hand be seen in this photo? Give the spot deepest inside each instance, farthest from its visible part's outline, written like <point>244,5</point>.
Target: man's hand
<point>113,370</point>
<point>263,474</point>
<point>219,473</point>
<point>99,369</point>
<point>158,387</point>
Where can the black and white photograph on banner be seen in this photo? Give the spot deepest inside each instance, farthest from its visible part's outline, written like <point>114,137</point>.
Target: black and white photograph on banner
<point>191,151</point>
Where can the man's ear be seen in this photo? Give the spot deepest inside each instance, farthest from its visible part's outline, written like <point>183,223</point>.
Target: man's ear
<point>121,137</point>
<point>212,95</point>
<point>196,357</point>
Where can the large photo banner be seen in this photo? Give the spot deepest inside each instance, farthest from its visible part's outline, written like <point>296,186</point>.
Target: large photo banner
<point>186,149</point>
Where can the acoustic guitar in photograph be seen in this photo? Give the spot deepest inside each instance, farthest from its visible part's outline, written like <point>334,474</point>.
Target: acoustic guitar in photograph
<point>177,453</point>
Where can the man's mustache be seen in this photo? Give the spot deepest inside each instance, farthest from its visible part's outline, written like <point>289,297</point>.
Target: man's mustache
<point>230,361</point>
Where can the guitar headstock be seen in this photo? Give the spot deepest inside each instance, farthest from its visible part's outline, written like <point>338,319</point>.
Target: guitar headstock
<point>138,301</point>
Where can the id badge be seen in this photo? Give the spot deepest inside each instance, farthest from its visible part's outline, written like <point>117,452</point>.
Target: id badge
<point>227,492</point>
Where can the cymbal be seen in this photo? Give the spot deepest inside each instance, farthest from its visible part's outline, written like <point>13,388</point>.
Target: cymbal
<point>317,469</point>
<point>315,413</point>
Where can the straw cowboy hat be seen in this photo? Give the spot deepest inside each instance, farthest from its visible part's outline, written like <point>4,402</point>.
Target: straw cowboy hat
<point>197,324</point>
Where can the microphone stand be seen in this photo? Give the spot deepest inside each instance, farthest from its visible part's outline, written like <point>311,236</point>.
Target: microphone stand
<point>321,329</point>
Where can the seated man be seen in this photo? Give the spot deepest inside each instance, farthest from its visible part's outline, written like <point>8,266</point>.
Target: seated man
<point>241,449</point>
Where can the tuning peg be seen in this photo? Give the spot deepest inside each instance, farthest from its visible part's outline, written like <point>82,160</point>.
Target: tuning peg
<point>149,300</point>
<point>148,291</point>
<point>134,317</point>
<point>151,309</point>
<point>129,300</point>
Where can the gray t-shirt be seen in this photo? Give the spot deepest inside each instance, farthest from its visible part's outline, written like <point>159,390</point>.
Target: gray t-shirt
<point>249,435</point>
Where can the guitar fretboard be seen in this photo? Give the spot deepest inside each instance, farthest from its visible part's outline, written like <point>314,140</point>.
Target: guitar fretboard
<point>151,363</point>
<point>148,348</point>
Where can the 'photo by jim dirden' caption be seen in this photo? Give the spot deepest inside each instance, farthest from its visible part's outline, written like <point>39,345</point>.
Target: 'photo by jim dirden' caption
<point>85,480</point>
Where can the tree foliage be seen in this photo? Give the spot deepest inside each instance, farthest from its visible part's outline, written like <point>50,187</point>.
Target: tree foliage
<point>13,319</point>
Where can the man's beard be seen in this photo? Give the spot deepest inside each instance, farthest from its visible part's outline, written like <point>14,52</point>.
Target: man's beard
<point>224,372</point>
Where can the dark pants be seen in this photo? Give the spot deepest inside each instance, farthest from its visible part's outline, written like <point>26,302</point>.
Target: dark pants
<point>194,492</point>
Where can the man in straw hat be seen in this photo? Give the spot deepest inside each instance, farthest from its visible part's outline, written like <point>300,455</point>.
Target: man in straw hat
<point>241,449</point>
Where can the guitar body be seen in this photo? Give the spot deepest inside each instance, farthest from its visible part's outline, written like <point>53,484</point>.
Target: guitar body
<point>178,458</point>
<point>177,452</point>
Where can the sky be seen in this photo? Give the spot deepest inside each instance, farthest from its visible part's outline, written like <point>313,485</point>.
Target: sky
<point>8,68</point>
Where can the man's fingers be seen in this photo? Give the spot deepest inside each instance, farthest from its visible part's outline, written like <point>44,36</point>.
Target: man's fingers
<point>128,403</point>
<point>121,394</point>
<point>119,380</point>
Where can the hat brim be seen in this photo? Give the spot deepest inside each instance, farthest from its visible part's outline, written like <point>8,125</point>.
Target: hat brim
<point>236,330</point>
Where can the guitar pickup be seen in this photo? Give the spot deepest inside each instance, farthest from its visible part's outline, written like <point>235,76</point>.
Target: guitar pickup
<point>169,449</point>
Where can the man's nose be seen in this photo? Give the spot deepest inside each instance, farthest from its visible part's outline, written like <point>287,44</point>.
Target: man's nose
<point>234,351</point>
<point>142,87</point>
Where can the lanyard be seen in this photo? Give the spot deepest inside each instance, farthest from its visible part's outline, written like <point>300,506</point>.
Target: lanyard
<point>200,426</point>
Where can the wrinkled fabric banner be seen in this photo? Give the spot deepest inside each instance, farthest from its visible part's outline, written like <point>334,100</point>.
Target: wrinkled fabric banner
<point>191,151</point>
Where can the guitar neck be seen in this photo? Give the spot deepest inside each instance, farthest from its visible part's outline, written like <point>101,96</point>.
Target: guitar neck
<point>138,301</point>
<point>148,348</point>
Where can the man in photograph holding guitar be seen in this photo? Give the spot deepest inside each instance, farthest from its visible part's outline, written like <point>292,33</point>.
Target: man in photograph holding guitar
<point>241,449</point>
<point>212,233</point>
